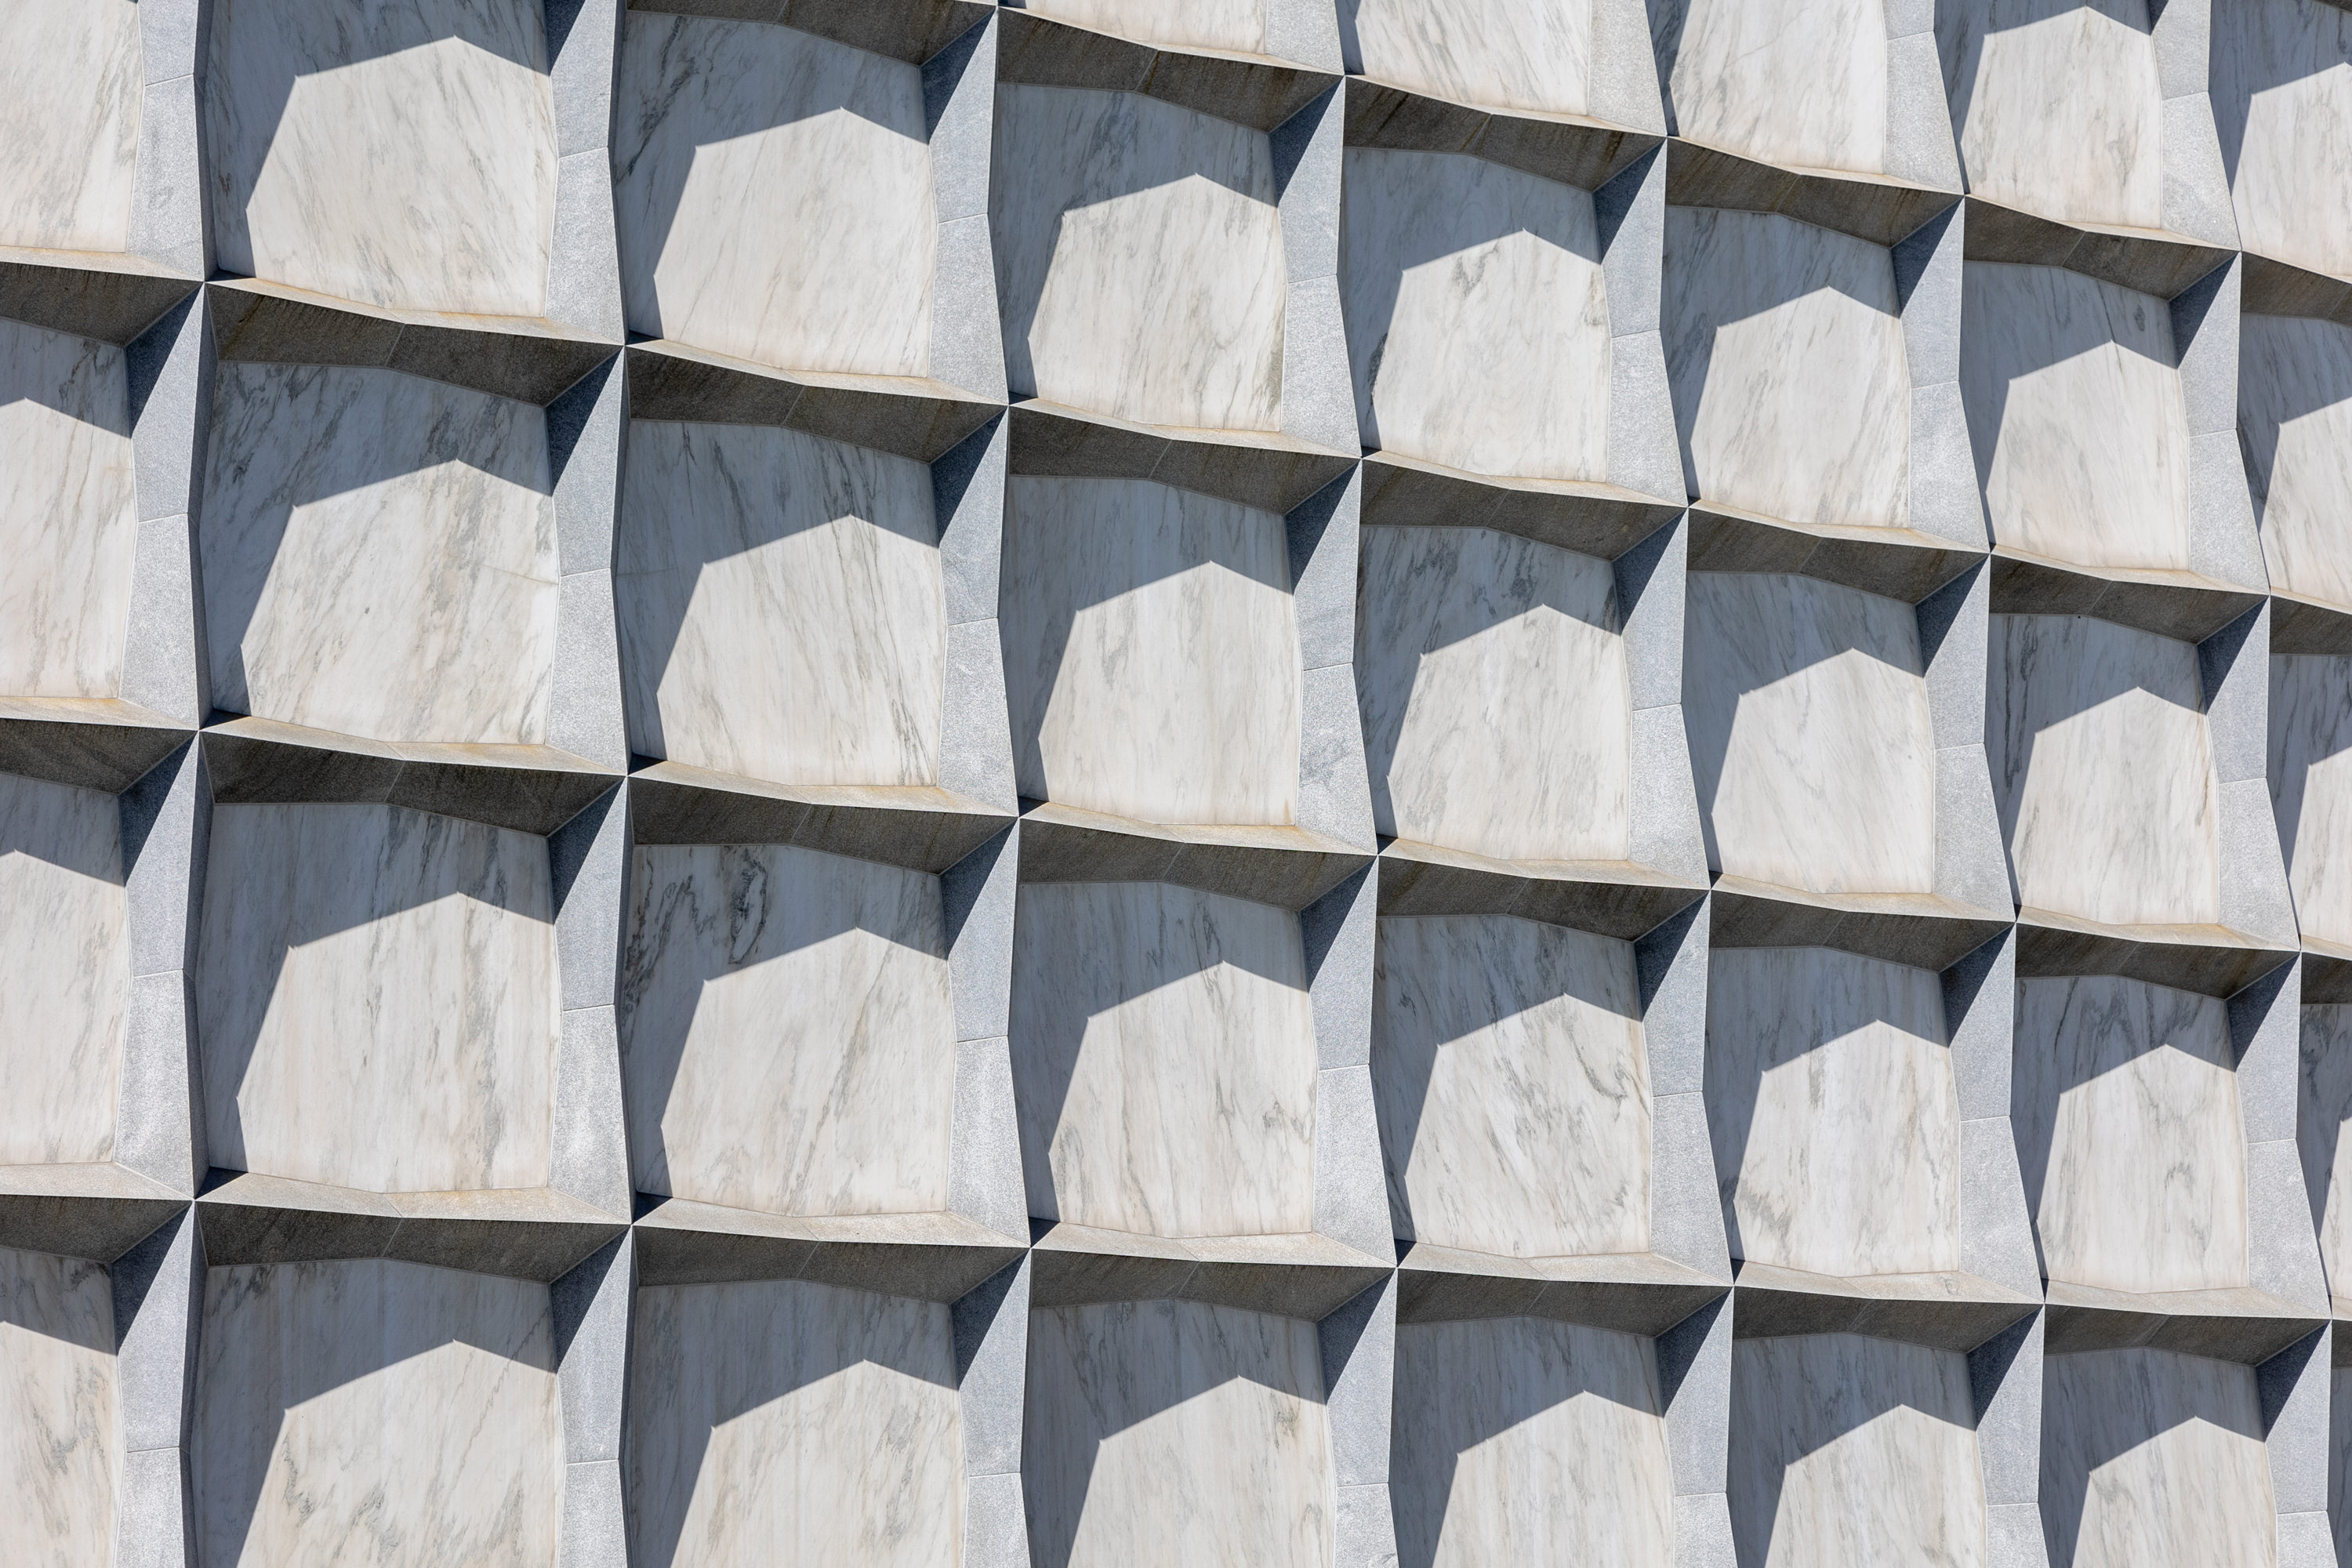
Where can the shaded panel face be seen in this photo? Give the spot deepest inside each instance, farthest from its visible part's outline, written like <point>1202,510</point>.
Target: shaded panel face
<point>2294,417</point>
<point>1848,1452</point>
<point>1835,1112</point>
<point>1798,83</point>
<point>1785,352</point>
<point>66,954</point>
<point>1163,1060</point>
<point>2325,1105</point>
<point>1503,54</point>
<point>1139,258</point>
<point>2125,1107</point>
<point>1236,25</point>
<point>2283,101</point>
<point>390,1413</point>
<point>2339,1460</point>
<point>787,1035</point>
<point>1512,1087</point>
<point>69,89</point>
<point>2152,1460</point>
<point>1175,1432</point>
<point>781,610</point>
<point>1518,1440</point>
<point>831,267</point>
<point>2059,108</point>
<point>379,555</point>
<point>378,992</point>
<point>2311,787</point>
<point>58,1425</point>
<point>782,1422</point>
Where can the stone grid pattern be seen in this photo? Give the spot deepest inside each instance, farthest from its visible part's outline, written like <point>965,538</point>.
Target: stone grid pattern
<point>1101,782</point>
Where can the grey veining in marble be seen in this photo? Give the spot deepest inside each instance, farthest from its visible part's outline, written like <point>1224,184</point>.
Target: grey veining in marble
<point>2311,787</point>
<point>69,114</point>
<point>1235,25</point>
<point>2282,101</point>
<point>1797,83</point>
<point>60,1439</point>
<point>2324,1106</point>
<point>1488,52</point>
<point>2294,417</point>
<point>65,939</point>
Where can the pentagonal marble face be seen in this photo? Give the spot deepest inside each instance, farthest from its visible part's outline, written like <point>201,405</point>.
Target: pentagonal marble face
<point>64,939</point>
<point>2324,1106</point>
<point>70,120</point>
<point>2282,103</point>
<point>1793,82</point>
<point>1500,54</point>
<point>2311,787</point>
<point>2294,418</point>
<point>59,1438</point>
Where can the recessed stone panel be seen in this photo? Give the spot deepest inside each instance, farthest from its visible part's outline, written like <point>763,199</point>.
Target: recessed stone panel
<point>1495,53</point>
<point>2294,417</point>
<point>2059,109</point>
<point>2283,101</point>
<point>2311,787</point>
<point>70,121</point>
<point>60,1446</point>
<point>1797,83</point>
<point>64,940</point>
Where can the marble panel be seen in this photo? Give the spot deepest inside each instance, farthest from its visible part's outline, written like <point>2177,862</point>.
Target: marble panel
<point>2128,1129</point>
<point>66,950</point>
<point>1150,652</point>
<point>1784,348</point>
<point>1512,1086</point>
<point>2311,787</point>
<point>446,106</point>
<point>2324,1106</point>
<point>391,1413</point>
<point>378,992</point>
<point>2102,769</point>
<point>1503,54</point>
<point>1175,1432</point>
<point>2079,81</point>
<point>67,526</point>
<point>2339,1461</point>
<point>1496,705</point>
<point>70,100</point>
<point>787,1035</point>
<point>783,1422</point>
<point>773,195</point>
<point>1163,1060</point>
<point>1800,83</point>
<point>1811,738</point>
<point>1139,258</point>
<point>1518,1440</point>
<point>1478,315</point>
<point>782,608</point>
<point>58,1430</point>
<point>1835,1112</point>
<point>2075,414</point>
<point>2282,103</point>
<point>1849,1452</point>
<point>2294,418</point>
<point>1235,25</point>
<point>379,555</point>
<point>2152,1460</point>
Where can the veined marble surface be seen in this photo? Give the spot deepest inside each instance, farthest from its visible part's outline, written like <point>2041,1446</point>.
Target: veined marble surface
<point>59,1433</point>
<point>2062,113</point>
<point>1518,1440</point>
<point>781,610</point>
<point>1513,1090</point>
<point>2126,1109</point>
<point>2311,788</point>
<point>1163,1060</point>
<point>1849,1452</point>
<point>390,1414</point>
<point>63,938</point>
<point>1237,24</point>
<point>1811,739</point>
<point>1785,352</point>
<point>1503,54</point>
<point>787,1036</point>
<point>2326,1105</point>
<point>2102,769</point>
<point>2152,1460</point>
<point>1835,1112</point>
<point>783,1422</point>
<point>774,194</point>
<point>2283,102</point>
<point>1139,258</point>
<point>379,555</point>
<point>2294,417</point>
<point>377,987</point>
<point>69,93</point>
<point>1175,1432</point>
<point>2076,414</point>
<point>68,525</point>
<point>1800,83</point>
<point>1150,652</point>
<point>1496,700</point>
<point>1478,316</point>
<point>398,155</point>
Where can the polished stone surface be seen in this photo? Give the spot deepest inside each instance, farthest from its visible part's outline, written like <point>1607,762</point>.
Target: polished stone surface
<point>1797,83</point>
<point>2059,109</point>
<point>2282,96</point>
<point>2295,410</point>
<point>1495,53</point>
<point>69,81</point>
<point>58,1403</point>
<point>63,917</point>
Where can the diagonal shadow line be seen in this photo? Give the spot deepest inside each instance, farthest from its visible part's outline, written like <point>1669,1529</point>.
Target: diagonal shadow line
<point>2308,727</point>
<point>2318,39</point>
<point>1962,26</point>
<point>2288,367</point>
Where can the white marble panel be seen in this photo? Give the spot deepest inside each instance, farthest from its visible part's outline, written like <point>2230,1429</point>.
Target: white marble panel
<point>2063,113</point>
<point>66,954</point>
<point>379,555</point>
<point>1835,1112</point>
<point>1811,738</point>
<point>69,81</point>
<point>1150,652</point>
<point>1139,258</point>
<point>1503,54</point>
<point>1496,700</point>
<point>1785,351</point>
<point>2295,419</point>
<point>1175,1432</point>
<point>787,1035</point>
<point>389,1413</point>
<point>2102,769</point>
<point>2076,414</point>
<point>782,1422</point>
<point>2326,1105</point>
<point>2125,1107</point>
<point>1478,315</point>
<point>2311,787</point>
<point>393,154</point>
<point>1518,1440</point>
<point>59,1435</point>
<point>2152,1460</point>
<point>1512,1086</point>
<point>774,194</point>
<point>1800,83</point>
<point>2283,100</point>
<point>1163,1060</point>
<point>378,992</point>
<point>1236,25</point>
<point>67,526</point>
<point>781,609</point>
<point>1849,1452</point>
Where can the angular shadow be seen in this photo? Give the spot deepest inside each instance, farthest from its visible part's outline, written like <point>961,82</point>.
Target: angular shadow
<point>2311,720</point>
<point>2310,40</point>
<point>2324,1106</point>
<point>75,829</point>
<point>68,1299</point>
<point>1962,26</point>
<point>2288,367</point>
<point>81,378</point>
